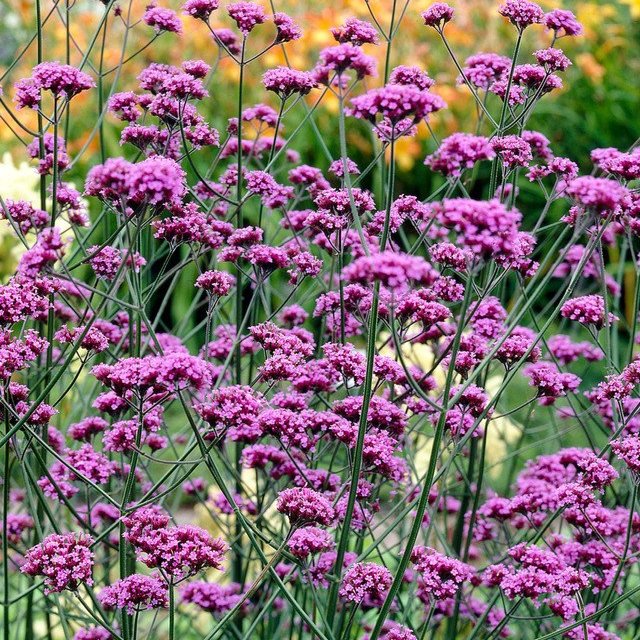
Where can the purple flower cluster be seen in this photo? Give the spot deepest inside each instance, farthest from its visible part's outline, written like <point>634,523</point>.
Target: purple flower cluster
<point>162,19</point>
<point>395,102</point>
<point>365,581</point>
<point>588,310</point>
<point>212,597</point>
<point>178,552</point>
<point>522,13</point>
<point>61,80</point>
<point>305,506</point>
<point>135,593</point>
<point>64,560</point>
<point>285,81</point>
<point>440,575</point>
<point>458,152</point>
<point>437,15</point>
<point>246,15</point>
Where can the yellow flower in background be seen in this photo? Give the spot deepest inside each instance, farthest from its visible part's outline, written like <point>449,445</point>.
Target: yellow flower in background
<point>221,524</point>
<point>20,182</point>
<point>407,151</point>
<point>634,8</point>
<point>500,431</point>
<point>590,67</point>
<point>17,182</point>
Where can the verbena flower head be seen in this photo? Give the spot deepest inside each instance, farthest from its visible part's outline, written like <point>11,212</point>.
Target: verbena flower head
<point>550,381</point>
<point>563,23</point>
<point>394,631</point>
<point>440,575</point>
<point>228,40</point>
<point>335,61</point>
<point>64,560</point>
<point>552,59</point>
<point>135,593</point>
<point>513,150</point>
<point>365,580</point>
<point>217,283</point>
<point>588,310</point>
<point>212,597</point>
<point>411,76</point>
<point>305,506</point>
<point>246,15</point>
<point>162,19</point>
<point>395,102</point>
<point>484,69</point>
<point>458,152</point>
<point>92,633</point>
<point>287,29</point>
<point>61,80</point>
<point>178,552</point>
<point>522,13</point>
<point>200,9</point>
<point>628,450</point>
<point>156,181</point>
<point>437,15</point>
<point>309,540</point>
<point>285,81</point>
<point>17,524</point>
<point>357,32</point>
<point>601,195</point>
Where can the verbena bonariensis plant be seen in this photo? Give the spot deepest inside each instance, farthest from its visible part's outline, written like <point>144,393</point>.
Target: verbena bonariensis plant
<point>321,467</point>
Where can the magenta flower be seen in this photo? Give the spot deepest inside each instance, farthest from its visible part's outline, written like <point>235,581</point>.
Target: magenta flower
<point>357,32</point>
<point>522,13</point>
<point>437,15</point>
<point>335,61</point>
<point>458,152</point>
<point>212,597</point>
<point>484,69</point>
<point>628,450</point>
<point>285,81</point>
<point>178,552</point>
<point>395,102</point>
<point>62,80</point>
<point>587,310</point>
<point>200,9</point>
<point>216,283</point>
<point>64,560</point>
<point>305,506</point>
<point>513,150</point>
<point>92,633</point>
<point>411,76</point>
<point>286,28</point>
<point>563,23</point>
<point>17,524</point>
<point>307,541</point>
<point>246,15</point>
<point>135,593</point>
<point>440,575</point>
<point>552,59</point>
<point>162,19</point>
<point>365,581</point>
<point>601,195</point>
<point>550,382</point>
